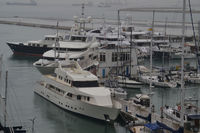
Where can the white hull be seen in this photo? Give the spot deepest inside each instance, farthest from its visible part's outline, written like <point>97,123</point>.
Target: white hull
<point>186,56</point>
<point>146,80</point>
<point>83,108</point>
<point>130,85</point>
<point>46,70</point>
<point>193,79</point>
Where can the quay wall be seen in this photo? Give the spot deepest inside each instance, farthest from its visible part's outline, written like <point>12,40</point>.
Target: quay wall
<point>173,28</point>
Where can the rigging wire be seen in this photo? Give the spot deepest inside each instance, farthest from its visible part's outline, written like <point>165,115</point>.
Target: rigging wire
<point>16,99</point>
<point>194,34</point>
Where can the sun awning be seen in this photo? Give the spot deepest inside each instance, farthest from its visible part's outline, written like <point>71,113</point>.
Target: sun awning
<point>194,117</point>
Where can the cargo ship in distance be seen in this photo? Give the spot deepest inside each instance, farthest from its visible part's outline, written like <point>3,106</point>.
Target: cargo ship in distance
<point>31,3</point>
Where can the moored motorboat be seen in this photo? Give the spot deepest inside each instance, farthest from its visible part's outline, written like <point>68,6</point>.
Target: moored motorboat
<point>129,83</point>
<point>157,81</point>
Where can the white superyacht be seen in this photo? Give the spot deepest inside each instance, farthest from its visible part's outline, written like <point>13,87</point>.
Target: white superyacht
<point>77,90</point>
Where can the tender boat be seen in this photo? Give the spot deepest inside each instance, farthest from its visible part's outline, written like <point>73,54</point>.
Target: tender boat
<point>77,90</point>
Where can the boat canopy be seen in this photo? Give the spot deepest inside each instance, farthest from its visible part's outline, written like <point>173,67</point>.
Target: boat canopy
<point>194,117</point>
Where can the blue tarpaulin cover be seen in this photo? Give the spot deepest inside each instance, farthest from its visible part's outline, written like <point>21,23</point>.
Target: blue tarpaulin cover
<point>158,126</point>
<point>152,126</point>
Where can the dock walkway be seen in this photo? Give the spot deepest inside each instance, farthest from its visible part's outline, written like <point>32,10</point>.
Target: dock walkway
<point>133,109</point>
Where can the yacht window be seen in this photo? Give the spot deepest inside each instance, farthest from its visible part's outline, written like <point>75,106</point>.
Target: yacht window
<point>77,38</point>
<point>61,49</point>
<point>90,55</point>
<point>33,45</point>
<point>29,44</point>
<point>177,114</point>
<point>96,31</point>
<point>102,57</point>
<point>78,97</point>
<point>81,58</point>
<point>145,102</point>
<point>85,83</point>
<point>45,46</point>
<point>77,49</point>
<point>94,57</point>
<point>88,98</point>
<point>89,39</point>
<point>69,94</point>
<point>38,45</point>
<point>67,37</point>
<point>57,39</point>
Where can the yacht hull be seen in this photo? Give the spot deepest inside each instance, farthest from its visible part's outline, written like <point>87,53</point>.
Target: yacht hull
<point>98,112</point>
<point>130,84</point>
<point>20,49</point>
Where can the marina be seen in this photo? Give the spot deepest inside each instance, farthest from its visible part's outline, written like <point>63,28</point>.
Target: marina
<point>111,78</point>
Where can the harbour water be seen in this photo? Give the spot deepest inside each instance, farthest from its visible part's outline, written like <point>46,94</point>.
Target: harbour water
<point>23,76</point>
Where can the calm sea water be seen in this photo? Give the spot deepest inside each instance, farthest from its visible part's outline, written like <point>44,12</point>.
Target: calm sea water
<point>22,77</point>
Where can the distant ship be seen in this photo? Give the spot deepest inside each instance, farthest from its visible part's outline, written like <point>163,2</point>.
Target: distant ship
<point>85,4</point>
<point>31,3</point>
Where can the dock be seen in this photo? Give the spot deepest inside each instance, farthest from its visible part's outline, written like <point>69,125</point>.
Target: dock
<point>130,110</point>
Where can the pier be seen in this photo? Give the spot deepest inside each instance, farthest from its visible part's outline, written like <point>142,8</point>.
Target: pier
<point>131,110</point>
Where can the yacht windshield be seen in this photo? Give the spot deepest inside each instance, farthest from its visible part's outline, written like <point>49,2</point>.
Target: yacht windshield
<point>78,38</point>
<point>85,84</point>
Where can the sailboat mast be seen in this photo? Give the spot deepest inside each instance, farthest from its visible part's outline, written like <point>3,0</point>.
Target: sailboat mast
<point>151,60</point>
<point>131,50</point>
<point>83,16</point>
<point>118,34</point>
<point>182,66</point>
<point>5,100</point>
<point>57,39</point>
<point>198,45</point>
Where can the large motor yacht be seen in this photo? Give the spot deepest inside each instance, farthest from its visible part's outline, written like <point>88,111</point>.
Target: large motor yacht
<point>34,48</point>
<point>77,90</point>
<point>80,48</point>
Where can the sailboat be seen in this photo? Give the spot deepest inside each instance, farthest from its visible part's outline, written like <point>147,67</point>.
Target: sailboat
<point>185,113</point>
<point>4,126</point>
